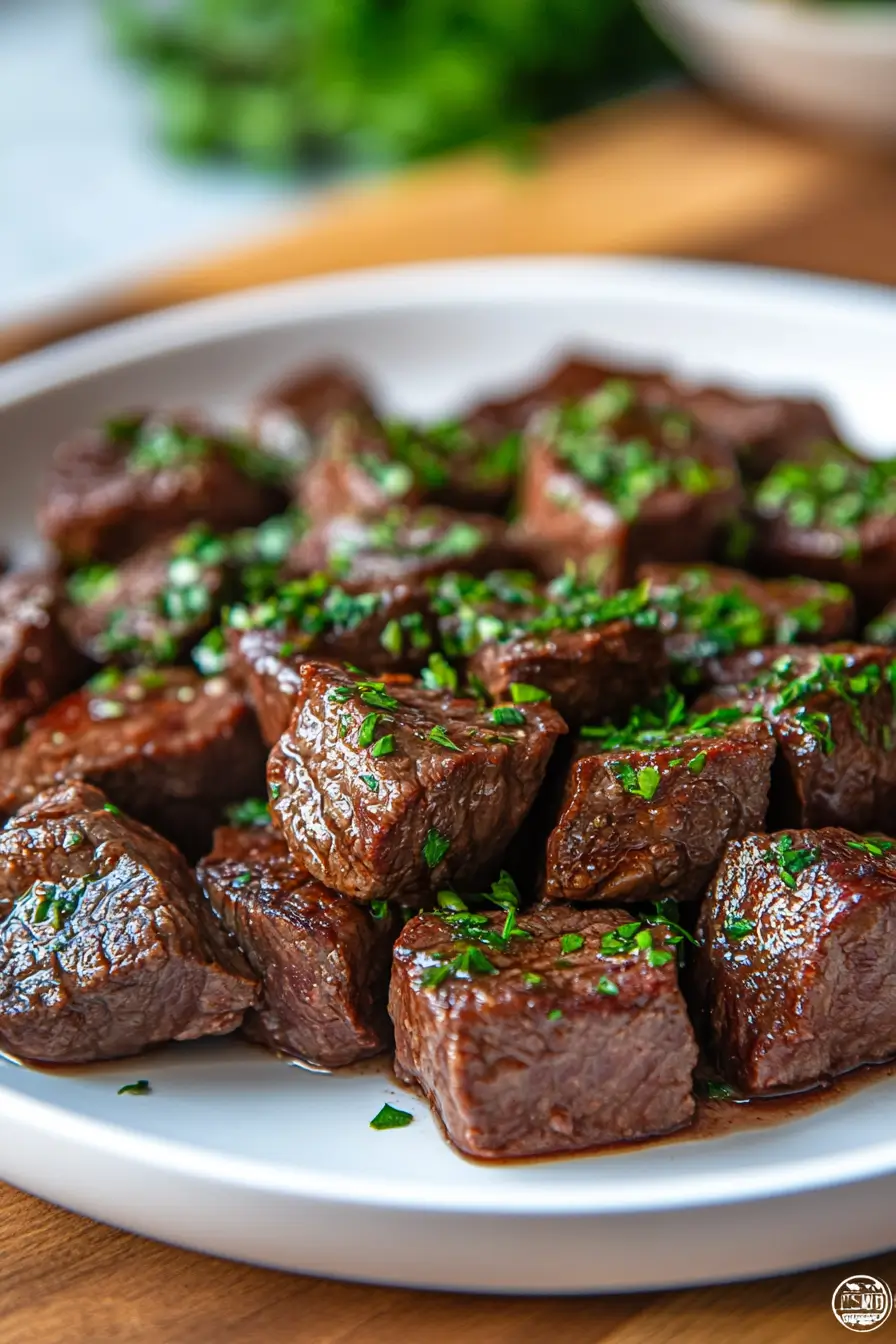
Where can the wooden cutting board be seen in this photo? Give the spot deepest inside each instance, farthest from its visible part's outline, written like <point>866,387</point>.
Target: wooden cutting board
<point>672,173</point>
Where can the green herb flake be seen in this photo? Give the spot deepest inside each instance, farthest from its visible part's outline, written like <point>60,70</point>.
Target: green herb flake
<point>641,783</point>
<point>736,928</point>
<point>876,848</point>
<point>521,693</point>
<point>390,1117</point>
<point>139,1089</point>
<point>368,729</point>
<point>508,716</point>
<point>379,909</point>
<point>713,1090</point>
<point>435,847</point>
<point>275,791</point>
<point>110,807</point>
<point>571,942</point>
<point>441,738</point>
<point>71,840</point>
<point>242,879</point>
<point>555,1015</point>
<point>372,783</point>
<point>532,979</point>
<point>607,986</point>
<point>251,812</point>
<point>384,747</point>
<point>790,861</point>
<point>392,639</point>
<point>439,675</point>
<point>697,763</point>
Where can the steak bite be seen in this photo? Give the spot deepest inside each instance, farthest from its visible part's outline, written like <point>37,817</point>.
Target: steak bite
<point>405,545</point>
<point>323,962</point>
<point>569,1036</point>
<point>168,748</point>
<point>762,429</point>
<point>708,611</point>
<point>113,490</point>
<point>153,606</point>
<point>595,657</point>
<point>833,714</point>
<point>796,967</point>
<point>365,468</point>
<point>649,808</point>
<point>37,663</point>
<point>307,400</point>
<point>831,517</point>
<point>611,482</point>
<point>391,792</point>
<point>105,947</point>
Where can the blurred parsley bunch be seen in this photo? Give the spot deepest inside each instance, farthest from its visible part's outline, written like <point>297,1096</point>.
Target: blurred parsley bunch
<point>276,81</point>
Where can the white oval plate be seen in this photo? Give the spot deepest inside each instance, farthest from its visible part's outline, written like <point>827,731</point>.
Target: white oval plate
<point>244,1155</point>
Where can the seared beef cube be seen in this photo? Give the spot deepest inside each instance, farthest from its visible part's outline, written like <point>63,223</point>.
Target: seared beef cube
<point>649,808</point>
<point>308,400</point>
<point>37,663</point>
<point>168,747</point>
<point>610,482</point>
<point>153,606</point>
<point>764,430</point>
<point>832,517</point>
<point>707,612</point>
<point>379,631</point>
<point>833,714</point>
<point>390,793</point>
<point>106,946</point>
<point>322,961</point>
<point>594,657</point>
<point>572,1036</point>
<point>365,468</point>
<point>405,545</point>
<point>111,491</point>
<point>882,630</point>
<point>356,472</point>
<point>796,969</point>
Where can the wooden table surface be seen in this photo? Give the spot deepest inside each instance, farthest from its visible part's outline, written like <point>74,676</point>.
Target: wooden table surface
<point>670,173</point>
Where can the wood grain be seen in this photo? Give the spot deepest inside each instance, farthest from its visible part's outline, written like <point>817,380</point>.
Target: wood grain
<point>669,173</point>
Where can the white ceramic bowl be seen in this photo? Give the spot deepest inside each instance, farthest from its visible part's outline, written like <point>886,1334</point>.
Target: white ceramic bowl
<point>240,1154</point>
<point>828,65</point>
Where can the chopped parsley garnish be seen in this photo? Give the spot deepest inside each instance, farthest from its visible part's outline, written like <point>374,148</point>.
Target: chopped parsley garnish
<point>532,979</point>
<point>92,584</point>
<point>109,679</point>
<point>736,929</point>
<point>571,942</point>
<point>439,675</point>
<point>832,491</point>
<point>72,839</point>
<point>521,693</point>
<point>110,807</point>
<point>372,783</point>
<point>384,747</point>
<point>439,735</point>
<point>697,763</point>
<point>250,812</point>
<point>435,847</point>
<point>275,791</point>
<point>374,694</point>
<point>791,861</point>
<point>641,783</point>
<point>368,729</point>
<point>607,986</point>
<point>210,654</point>
<point>508,716</point>
<point>139,1089</point>
<point>390,1117</point>
<point>637,935</point>
<point>555,1015</point>
<point>392,638</point>
<point>468,962</point>
<point>379,909</point>
<point>606,440</point>
<point>242,879</point>
<point>876,848</point>
<point>714,1090</point>
<point>666,723</point>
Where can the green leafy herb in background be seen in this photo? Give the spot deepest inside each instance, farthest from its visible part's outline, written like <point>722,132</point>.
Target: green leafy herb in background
<point>275,81</point>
